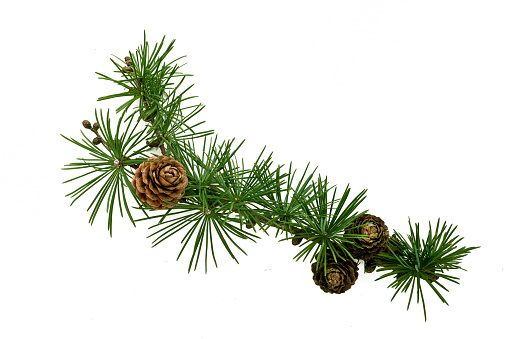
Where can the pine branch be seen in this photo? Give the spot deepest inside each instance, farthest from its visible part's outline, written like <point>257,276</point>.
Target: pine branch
<point>148,79</point>
<point>109,164</point>
<point>416,259</point>
<point>206,211</point>
<point>324,223</point>
<point>225,201</point>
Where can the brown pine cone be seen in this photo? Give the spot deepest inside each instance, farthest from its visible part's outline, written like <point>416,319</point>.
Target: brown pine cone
<point>340,275</point>
<point>377,233</point>
<point>160,182</point>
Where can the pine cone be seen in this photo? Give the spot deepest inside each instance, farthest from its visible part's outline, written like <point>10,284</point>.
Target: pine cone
<point>377,233</point>
<point>160,182</point>
<point>340,275</point>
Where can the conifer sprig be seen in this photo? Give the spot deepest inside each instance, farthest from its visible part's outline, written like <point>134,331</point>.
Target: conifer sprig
<point>246,191</point>
<point>158,77</point>
<point>157,86</point>
<point>280,206</point>
<point>223,195</point>
<point>110,164</point>
<point>210,199</point>
<point>415,260</point>
<point>324,222</point>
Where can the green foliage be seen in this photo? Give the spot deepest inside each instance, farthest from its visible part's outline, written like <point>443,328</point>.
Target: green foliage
<point>414,260</point>
<point>281,206</point>
<point>156,86</point>
<point>217,187</point>
<point>324,221</point>
<point>223,196</point>
<point>121,147</point>
<point>225,201</point>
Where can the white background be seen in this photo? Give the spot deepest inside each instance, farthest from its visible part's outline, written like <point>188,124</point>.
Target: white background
<point>405,98</point>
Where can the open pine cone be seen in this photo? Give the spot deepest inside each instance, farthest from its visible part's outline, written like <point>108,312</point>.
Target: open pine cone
<point>160,182</point>
<point>340,275</point>
<point>377,233</point>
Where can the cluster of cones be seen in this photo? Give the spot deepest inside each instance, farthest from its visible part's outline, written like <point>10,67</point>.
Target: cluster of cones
<point>341,274</point>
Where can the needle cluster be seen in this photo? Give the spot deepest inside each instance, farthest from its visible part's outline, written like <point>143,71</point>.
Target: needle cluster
<point>415,260</point>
